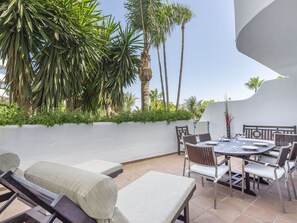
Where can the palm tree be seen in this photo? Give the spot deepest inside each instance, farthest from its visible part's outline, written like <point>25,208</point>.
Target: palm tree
<point>193,106</point>
<point>139,16</point>
<point>129,101</point>
<point>254,83</point>
<point>50,50</point>
<point>163,20</point>
<point>155,97</point>
<point>116,71</point>
<point>156,40</point>
<point>183,16</point>
<point>70,55</point>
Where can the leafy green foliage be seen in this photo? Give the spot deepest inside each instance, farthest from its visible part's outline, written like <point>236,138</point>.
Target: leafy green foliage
<point>116,71</point>
<point>195,107</point>
<point>12,115</point>
<point>149,116</point>
<point>254,83</point>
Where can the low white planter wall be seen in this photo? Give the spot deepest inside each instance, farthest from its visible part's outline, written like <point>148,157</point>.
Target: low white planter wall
<point>72,144</point>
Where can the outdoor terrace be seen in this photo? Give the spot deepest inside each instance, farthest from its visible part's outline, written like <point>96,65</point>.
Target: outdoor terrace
<point>263,208</point>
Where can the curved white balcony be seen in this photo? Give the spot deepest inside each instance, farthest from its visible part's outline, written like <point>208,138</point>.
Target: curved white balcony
<point>266,31</point>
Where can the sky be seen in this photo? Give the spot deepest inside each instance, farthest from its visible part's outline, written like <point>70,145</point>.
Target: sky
<point>213,68</point>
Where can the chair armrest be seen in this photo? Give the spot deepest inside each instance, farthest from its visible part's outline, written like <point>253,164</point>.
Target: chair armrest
<point>259,162</point>
<point>224,161</point>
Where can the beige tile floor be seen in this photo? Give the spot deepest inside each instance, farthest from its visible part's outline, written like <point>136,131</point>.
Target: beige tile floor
<point>263,208</point>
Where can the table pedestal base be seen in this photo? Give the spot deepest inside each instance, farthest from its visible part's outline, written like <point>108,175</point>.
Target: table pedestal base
<point>236,183</point>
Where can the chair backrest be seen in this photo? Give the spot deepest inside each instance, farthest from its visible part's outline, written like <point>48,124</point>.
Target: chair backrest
<point>266,132</point>
<point>293,152</point>
<point>181,131</point>
<point>281,139</point>
<point>203,155</point>
<point>190,139</point>
<point>283,155</point>
<point>204,137</point>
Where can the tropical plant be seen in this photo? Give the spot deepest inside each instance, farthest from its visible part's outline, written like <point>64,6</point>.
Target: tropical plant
<point>166,22</point>
<point>228,119</point>
<point>139,16</point>
<point>281,76</point>
<point>192,105</point>
<point>155,98</point>
<point>50,46</point>
<point>129,101</point>
<point>183,16</point>
<point>254,83</point>
<point>116,71</point>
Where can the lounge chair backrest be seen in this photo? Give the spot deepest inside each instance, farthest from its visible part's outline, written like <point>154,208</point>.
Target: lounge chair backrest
<point>8,161</point>
<point>95,193</point>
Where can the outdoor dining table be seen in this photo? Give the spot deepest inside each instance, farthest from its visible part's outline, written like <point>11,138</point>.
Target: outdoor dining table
<point>242,148</point>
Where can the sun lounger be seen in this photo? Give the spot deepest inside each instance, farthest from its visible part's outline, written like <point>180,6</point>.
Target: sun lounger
<point>11,161</point>
<point>154,198</point>
<point>111,169</point>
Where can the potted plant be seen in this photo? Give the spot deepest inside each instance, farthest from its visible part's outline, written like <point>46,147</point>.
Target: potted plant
<point>228,119</point>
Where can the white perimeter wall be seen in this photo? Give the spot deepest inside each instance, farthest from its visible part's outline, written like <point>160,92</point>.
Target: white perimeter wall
<point>275,103</point>
<point>72,144</point>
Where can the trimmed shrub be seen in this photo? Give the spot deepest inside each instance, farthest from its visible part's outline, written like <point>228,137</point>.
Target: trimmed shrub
<point>12,115</point>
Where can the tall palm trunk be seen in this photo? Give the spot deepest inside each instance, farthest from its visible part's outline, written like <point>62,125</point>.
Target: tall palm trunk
<point>181,66</point>
<point>145,74</point>
<point>166,75</point>
<point>161,77</point>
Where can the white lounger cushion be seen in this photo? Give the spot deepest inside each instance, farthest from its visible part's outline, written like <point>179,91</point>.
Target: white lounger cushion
<point>154,198</point>
<point>263,171</point>
<point>8,161</point>
<point>210,170</point>
<point>95,193</point>
<point>100,166</point>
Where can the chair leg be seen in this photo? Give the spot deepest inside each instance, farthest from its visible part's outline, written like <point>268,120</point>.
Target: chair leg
<point>254,180</point>
<point>202,181</point>
<point>230,179</point>
<point>186,214</point>
<point>280,195</point>
<point>242,180</point>
<point>292,182</point>
<point>184,167</point>
<point>215,195</point>
<point>288,188</point>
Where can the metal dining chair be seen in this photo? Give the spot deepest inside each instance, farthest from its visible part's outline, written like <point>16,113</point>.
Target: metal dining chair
<point>202,161</point>
<point>280,140</point>
<point>180,132</point>
<point>291,166</point>
<point>267,170</point>
<point>204,137</point>
<point>188,139</point>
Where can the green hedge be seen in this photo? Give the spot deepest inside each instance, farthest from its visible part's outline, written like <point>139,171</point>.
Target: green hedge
<point>12,115</point>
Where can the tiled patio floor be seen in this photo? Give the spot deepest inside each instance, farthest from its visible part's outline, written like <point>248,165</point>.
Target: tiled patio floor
<point>263,208</point>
